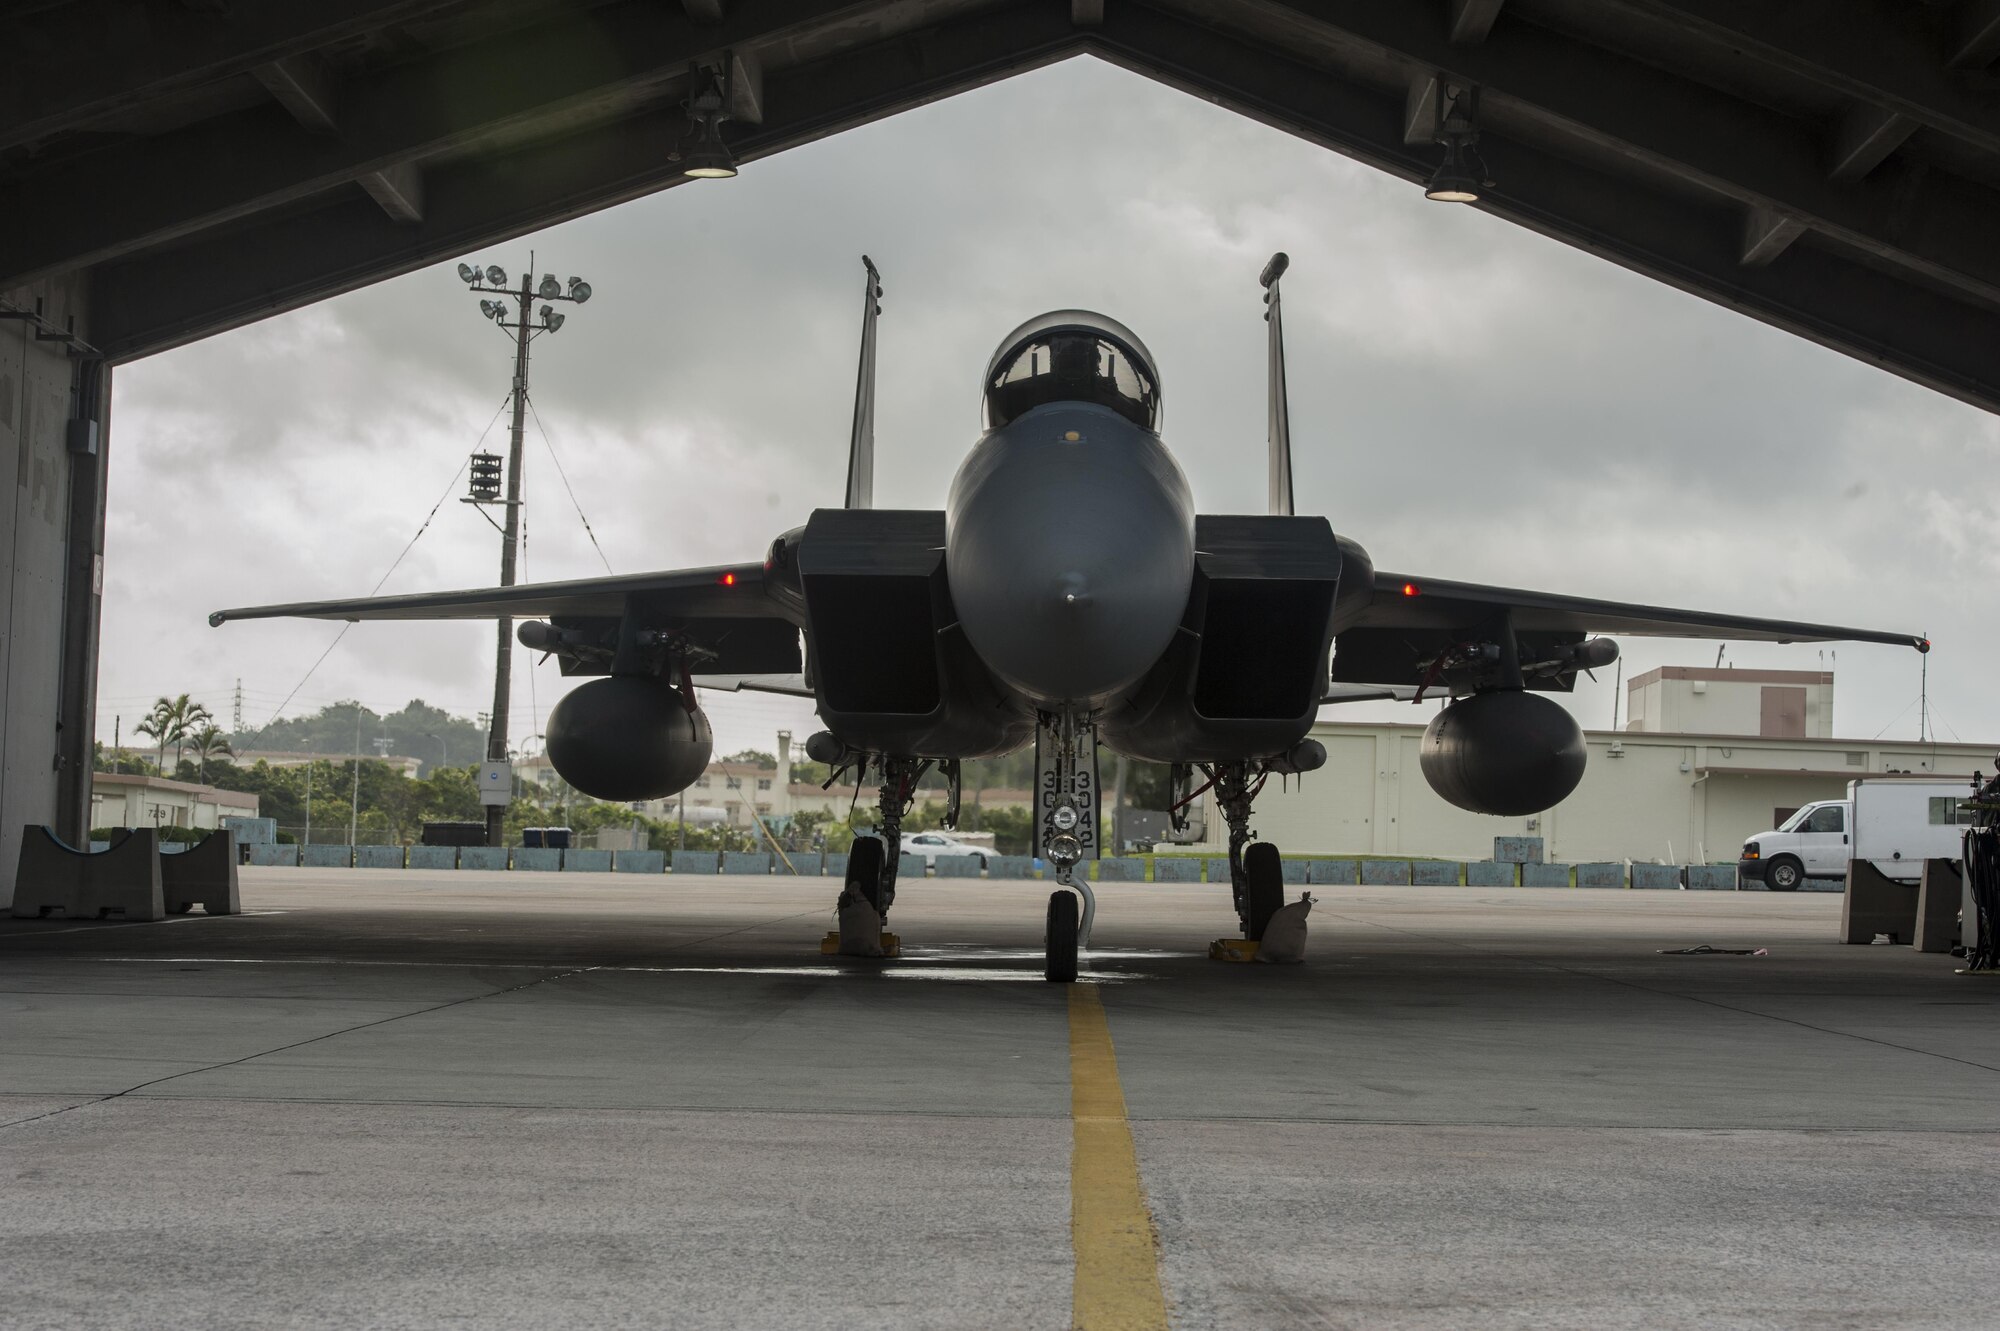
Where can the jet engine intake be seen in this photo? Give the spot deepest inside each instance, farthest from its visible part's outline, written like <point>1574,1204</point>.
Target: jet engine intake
<point>1508,752</point>
<point>628,737</point>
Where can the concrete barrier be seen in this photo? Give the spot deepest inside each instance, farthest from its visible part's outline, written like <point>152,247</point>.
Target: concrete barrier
<point>1293,871</point>
<point>482,857</point>
<point>835,865</point>
<point>1435,873</point>
<point>327,857</point>
<point>1385,873</point>
<point>1939,892</point>
<point>1517,850</point>
<point>1876,904</point>
<point>1176,869</point>
<point>272,856</point>
<point>1711,877</point>
<point>378,857</point>
<point>1218,869</point>
<point>586,861</point>
<point>536,859</point>
<point>1492,873</point>
<point>99,847</point>
<point>1332,873</point>
<point>805,863</point>
<point>433,857</point>
<point>1535,874</point>
<point>639,861</point>
<point>746,861</point>
<point>54,877</point>
<point>1601,874</point>
<point>1010,866</point>
<point>1656,877</point>
<point>1121,869</point>
<point>910,866</point>
<point>958,866</point>
<point>695,861</point>
<point>202,875</point>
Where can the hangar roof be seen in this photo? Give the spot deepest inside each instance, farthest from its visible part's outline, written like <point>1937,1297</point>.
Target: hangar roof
<point>1830,168</point>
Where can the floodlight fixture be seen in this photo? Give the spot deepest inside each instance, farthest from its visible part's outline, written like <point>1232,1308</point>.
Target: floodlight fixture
<point>467,273</point>
<point>549,289</point>
<point>497,275</point>
<point>551,319</point>
<point>1461,176</point>
<point>707,106</point>
<point>579,290</point>
<point>1453,181</point>
<point>710,158</point>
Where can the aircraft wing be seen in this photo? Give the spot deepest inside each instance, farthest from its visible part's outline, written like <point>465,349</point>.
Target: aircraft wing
<point>1409,621</point>
<point>723,592</point>
<point>1402,602</point>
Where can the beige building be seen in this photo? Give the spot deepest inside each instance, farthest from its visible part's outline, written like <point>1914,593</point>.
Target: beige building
<point>1691,700</point>
<point>120,799</point>
<point>1646,795</point>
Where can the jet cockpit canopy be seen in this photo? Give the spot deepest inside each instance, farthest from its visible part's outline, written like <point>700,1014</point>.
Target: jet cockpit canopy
<point>1072,356</point>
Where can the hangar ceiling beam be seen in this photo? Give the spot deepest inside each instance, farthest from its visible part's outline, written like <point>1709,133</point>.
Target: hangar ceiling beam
<point>122,201</point>
<point>1978,35</point>
<point>1867,313</point>
<point>1864,50</point>
<point>703,11</point>
<point>1755,157</point>
<point>262,266</point>
<point>1864,139</point>
<point>1471,20</point>
<point>76,62</point>
<point>304,86</point>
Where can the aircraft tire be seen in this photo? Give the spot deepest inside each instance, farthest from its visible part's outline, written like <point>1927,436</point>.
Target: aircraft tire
<point>1059,943</point>
<point>864,869</point>
<point>1783,874</point>
<point>180,908</point>
<point>1263,888</point>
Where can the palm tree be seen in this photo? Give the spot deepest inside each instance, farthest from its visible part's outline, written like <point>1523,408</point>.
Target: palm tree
<point>208,742</point>
<point>170,722</point>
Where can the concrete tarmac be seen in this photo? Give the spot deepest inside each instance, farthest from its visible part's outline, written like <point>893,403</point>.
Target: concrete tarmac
<point>525,1100</point>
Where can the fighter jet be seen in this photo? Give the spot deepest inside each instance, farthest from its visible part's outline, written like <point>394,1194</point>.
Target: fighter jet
<point>1015,615</point>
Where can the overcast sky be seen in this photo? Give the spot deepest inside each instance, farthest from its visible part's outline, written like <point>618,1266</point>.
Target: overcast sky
<point>1468,401</point>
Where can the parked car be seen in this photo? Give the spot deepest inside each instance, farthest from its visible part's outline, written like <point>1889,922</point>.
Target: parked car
<point>933,845</point>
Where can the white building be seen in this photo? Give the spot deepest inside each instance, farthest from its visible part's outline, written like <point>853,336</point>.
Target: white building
<point>120,799</point>
<point>1646,795</point>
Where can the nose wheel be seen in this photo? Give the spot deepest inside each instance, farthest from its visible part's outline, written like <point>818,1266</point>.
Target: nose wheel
<point>1059,943</point>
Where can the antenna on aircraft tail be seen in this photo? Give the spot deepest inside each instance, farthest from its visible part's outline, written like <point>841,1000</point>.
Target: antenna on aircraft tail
<point>861,446</point>
<point>1280,430</point>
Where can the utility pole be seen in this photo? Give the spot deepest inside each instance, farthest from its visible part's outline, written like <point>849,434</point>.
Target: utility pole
<point>493,279</point>
<point>354,810</point>
<point>236,713</point>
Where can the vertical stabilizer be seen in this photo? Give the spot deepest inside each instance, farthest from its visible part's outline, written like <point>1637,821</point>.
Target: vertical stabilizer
<point>861,446</point>
<point>1280,427</point>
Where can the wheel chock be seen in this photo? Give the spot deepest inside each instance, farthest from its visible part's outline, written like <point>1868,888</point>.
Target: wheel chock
<point>892,945</point>
<point>1233,949</point>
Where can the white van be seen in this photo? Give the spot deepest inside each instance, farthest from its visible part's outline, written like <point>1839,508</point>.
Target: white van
<point>1894,821</point>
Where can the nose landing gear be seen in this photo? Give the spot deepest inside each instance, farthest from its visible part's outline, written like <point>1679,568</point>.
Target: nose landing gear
<point>1059,943</point>
<point>1066,832</point>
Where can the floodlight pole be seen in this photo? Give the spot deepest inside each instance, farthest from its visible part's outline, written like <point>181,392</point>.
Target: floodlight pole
<point>503,658</point>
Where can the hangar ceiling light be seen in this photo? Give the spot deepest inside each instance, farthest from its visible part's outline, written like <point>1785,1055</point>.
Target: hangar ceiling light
<point>1462,174</point>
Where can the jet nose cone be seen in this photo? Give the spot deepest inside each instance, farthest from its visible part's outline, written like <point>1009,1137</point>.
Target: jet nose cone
<point>1070,572</point>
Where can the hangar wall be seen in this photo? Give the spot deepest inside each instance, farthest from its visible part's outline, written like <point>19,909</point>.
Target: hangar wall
<point>1646,797</point>
<point>39,382</point>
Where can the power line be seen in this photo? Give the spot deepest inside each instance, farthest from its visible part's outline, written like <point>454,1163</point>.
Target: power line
<point>551,446</point>
<point>397,563</point>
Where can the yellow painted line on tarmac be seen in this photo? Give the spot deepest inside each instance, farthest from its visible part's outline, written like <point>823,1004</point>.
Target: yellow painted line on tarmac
<point>1117,1255</point>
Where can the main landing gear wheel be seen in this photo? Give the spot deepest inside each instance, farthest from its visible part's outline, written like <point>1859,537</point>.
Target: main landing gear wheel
<point>1059,943</point>
<point>1263,887</point>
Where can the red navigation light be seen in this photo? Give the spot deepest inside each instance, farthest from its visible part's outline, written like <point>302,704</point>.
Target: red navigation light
<point>729,579</point>
<point>1411,589</point>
